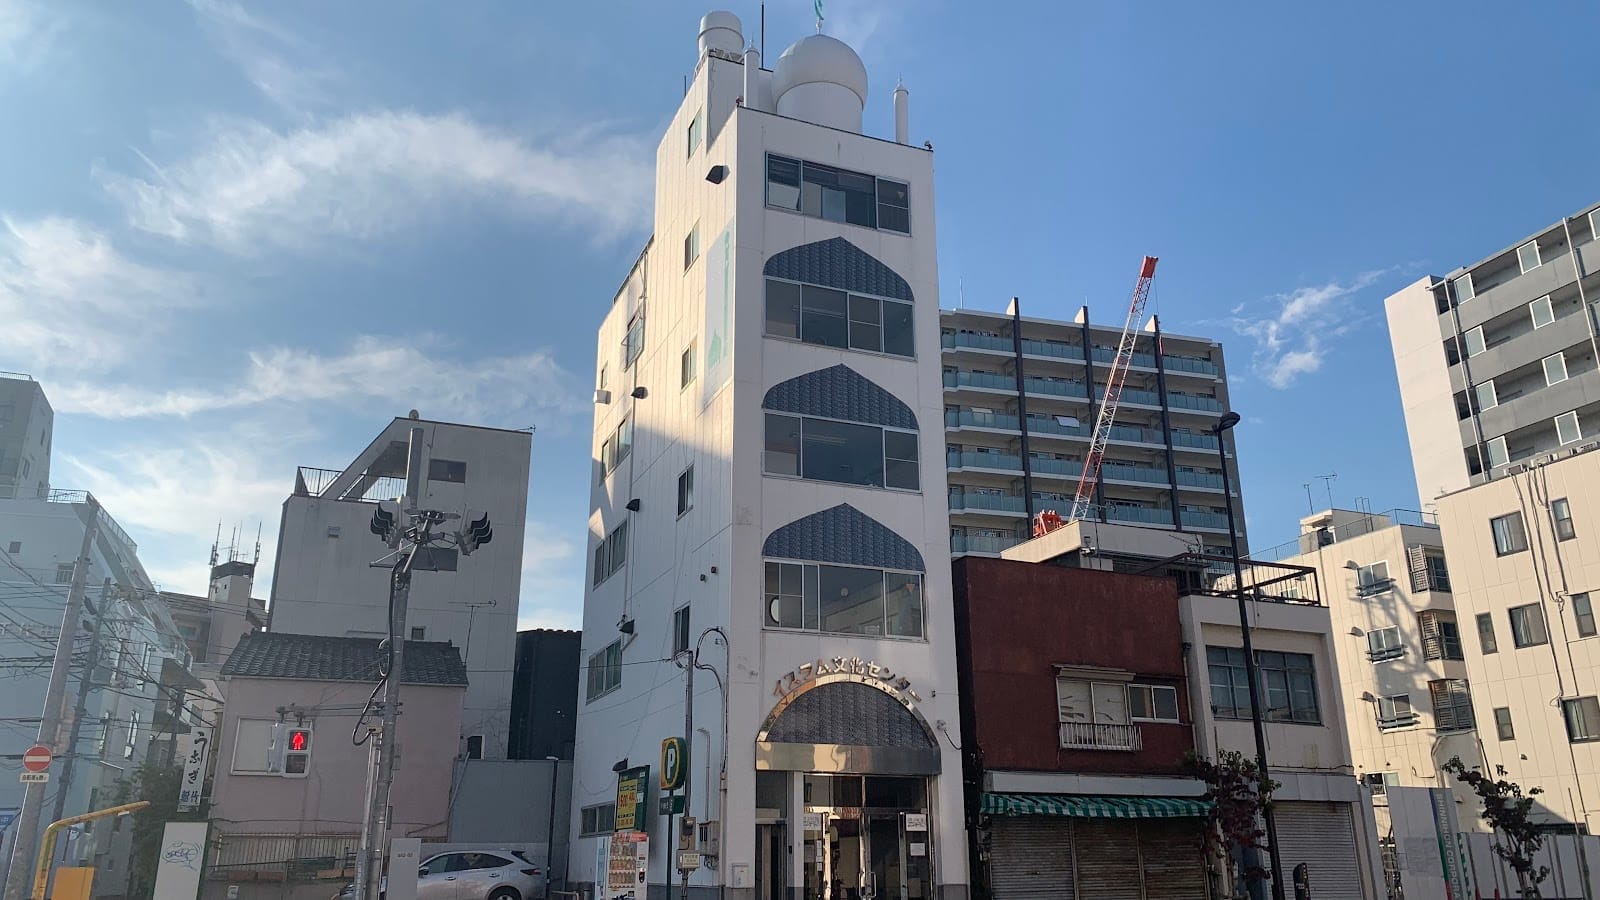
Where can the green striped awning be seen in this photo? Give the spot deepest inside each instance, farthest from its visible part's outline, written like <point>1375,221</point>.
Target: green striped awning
<point>1085,806</point>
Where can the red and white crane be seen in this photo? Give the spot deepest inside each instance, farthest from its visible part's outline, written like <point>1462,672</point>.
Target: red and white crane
<point>1084,499</point>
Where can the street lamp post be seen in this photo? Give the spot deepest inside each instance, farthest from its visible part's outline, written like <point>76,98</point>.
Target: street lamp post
<point>1228,420</point>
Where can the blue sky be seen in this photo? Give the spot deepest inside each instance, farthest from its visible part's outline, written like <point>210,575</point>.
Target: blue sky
<point>236,238</point>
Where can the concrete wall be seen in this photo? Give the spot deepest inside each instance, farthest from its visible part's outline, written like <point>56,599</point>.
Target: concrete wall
<point>1018,621</point>
<point>26,430</point>
<point>508,803</point>
<point>1531,681</point>
<point>324,582</point>
<point>331,799</point>
<point>1425,391</point>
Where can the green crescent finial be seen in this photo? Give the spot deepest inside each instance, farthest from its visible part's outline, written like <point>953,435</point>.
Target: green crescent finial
<point>817,4</point>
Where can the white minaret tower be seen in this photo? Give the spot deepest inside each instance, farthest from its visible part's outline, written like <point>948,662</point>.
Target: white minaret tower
<point>769,499</point>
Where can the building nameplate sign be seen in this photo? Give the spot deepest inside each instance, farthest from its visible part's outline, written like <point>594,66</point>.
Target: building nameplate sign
<point>843,665</point>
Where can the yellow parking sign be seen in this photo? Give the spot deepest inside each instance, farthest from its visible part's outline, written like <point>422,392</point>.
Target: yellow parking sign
<point>674,763</point>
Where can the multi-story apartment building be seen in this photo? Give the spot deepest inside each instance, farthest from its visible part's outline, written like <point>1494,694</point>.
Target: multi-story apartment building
<point>1323,817</point>
<point>1497,359</point>
<point>1523,569</point>
<point>769,496</point>
<point>1402,670</point>
<point>1162,467</point>
<point>26,426</point>
<point>324,582</point>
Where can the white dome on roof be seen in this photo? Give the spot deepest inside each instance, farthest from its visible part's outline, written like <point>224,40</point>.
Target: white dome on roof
<point>824,80</point>
<point>721,30</point>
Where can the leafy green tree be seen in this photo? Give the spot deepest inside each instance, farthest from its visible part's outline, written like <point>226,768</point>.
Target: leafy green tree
<point>157,783</point>
<point>1506,808</point>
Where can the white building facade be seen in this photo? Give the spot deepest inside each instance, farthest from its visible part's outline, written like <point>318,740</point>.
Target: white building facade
<point>324,582</point>
<point>770,489</point>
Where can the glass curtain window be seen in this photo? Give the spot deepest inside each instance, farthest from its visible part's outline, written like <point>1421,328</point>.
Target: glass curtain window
<point>834,318</point>
<point>838,195</point>
<point>841,452</point>
<point>844,599</point>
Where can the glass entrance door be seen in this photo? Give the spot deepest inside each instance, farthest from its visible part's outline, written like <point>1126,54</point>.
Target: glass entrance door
<point>857,844</point>
<point>886,856</point>
<point>772,863</point>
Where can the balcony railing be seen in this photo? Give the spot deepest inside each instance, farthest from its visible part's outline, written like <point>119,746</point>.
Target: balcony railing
<point>367,487</point>
<point>1095,736</point>
<point>1073,352</point>
<point>982,543</point>
<point>1198,519</point>
<point>967,418</point>
<point>998,502</point>
<point>1394,723</point>
<point>1311,540</point>
<point>1142,515</point>
<point>56,495</point>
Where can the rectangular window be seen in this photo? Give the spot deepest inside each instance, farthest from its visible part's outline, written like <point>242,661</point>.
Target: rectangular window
<point>1528,256</point>
<point>694,133</point>
<point>1373,578</point>
<point>132,743</point>
<point>1475,344</point>
<point>1509,535</point>
<point>64,573</point>
<point>449,470</point>
<point>604,372</point>
<point>686,366</point>
<point>843,600</point>
<point>1527,625</point>
<point>691,246</point>
<point>633,344</point>
<point>1561,515</point>
<point>894,206</point>
<point>1384,643</point>
<point>1498,455</point>
<point>1583,718</point>
<point>1487,398</point>
<point>1288,685</point>
<point>605,671</point>
<point>1555,369</point>
<point>1541,312</point>
<point>840,452</point>
<point>617,549</point>
<point>1091,702</point>
<point>680,630</point>
<point>686,490</point>
<point>1463,286</point>
<point>419,633</point>
<point>1452,704</point>
<point>252,752</point>
<point>1486,638</point>
<point>1568,430</point>
<point>819,315</point>
<point>1152,703</point>
<point>600,819</point>
<point>1395,712</point>
<point>1441,638</point>
<point>838,195</point>
<point>1438,574</point>
<point>1502,724</point>
<point>1583,614</point>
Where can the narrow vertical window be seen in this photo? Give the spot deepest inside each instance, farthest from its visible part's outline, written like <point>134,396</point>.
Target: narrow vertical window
<point>1568,431</point>
<point>1528,256</point>
<point>1464,291</point>
<point>1541,312</point>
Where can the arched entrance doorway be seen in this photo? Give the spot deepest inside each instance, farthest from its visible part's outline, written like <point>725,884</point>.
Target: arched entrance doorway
<point>849,760</point>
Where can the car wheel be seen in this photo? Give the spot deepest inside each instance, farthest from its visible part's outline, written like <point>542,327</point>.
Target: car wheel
<point>505,893</point>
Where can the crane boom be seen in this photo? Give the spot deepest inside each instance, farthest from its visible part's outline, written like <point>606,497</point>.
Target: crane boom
<point>1114,379</point>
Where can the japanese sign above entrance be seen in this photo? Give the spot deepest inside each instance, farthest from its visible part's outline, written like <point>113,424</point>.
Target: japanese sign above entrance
<point>843,665</point>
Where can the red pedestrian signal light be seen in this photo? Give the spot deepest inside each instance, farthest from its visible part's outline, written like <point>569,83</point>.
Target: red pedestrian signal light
<point>299,740</point>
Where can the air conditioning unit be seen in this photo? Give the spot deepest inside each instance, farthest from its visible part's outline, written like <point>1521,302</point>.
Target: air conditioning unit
<point>1516,468</point>
<point>602,397</point>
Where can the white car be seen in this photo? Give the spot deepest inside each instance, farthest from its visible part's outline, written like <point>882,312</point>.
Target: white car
<point>473,875</point>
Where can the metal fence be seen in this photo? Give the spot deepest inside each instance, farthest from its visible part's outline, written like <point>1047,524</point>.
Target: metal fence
<point>283,857</point>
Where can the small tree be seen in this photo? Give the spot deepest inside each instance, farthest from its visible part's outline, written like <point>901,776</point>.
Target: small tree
<point>1238,798</point>
<point>1505,808</point>
<point>158,784</point>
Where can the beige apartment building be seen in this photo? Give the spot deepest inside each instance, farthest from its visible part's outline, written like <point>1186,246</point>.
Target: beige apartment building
<point>1524,559</point>
<point>1402,674</point>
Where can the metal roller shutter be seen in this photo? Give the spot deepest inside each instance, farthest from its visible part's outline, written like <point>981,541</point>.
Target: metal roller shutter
<point>1030,858</point>
<point>1170,853</point>
<point>1108,859</point>
<point>1322,836</point>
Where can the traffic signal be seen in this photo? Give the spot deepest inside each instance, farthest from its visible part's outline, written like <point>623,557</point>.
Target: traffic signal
<point>386,522</point>
<point>291,750</point>
<point>477,533</point>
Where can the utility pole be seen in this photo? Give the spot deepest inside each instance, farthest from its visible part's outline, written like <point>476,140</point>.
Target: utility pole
<point>27,824</point>
<point>82,709</point>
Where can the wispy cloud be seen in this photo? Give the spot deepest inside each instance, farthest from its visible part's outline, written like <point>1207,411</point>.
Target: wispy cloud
<point>71,302</point>
<point>276,60</point>
<point>552,578</point>
<point>252,188</point>
<point>27,33</point>
<point>1293,337</point>
<point>372,370</point>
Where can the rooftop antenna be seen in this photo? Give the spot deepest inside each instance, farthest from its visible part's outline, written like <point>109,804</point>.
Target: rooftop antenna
<point>215,544</point>
<point>1311,508</point>
<point>1327,484</point>
<point>257,560</point>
